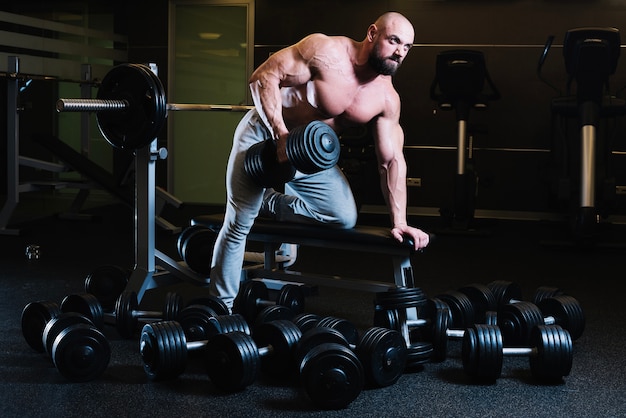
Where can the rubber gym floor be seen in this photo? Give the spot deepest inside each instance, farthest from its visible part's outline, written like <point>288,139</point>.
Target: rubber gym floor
<point>30,386</point>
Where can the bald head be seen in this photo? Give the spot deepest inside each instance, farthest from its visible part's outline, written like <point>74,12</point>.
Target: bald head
<point>390,38</point>
<point>394,22</point>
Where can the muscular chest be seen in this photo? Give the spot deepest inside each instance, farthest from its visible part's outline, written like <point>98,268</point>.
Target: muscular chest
<point>335,99</point>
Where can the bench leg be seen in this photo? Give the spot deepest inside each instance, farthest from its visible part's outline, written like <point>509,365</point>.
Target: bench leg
<point>403,271</point>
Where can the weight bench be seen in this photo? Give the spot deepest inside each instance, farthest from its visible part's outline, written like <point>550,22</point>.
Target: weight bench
<point>370,239</point>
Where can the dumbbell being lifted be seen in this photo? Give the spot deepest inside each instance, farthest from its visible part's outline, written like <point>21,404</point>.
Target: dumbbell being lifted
<point>310,148</point>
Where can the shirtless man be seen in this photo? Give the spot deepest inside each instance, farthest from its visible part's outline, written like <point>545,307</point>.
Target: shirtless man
<point>343,83</point>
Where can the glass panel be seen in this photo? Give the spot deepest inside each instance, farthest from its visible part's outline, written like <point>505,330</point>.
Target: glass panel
<point>209,59</point>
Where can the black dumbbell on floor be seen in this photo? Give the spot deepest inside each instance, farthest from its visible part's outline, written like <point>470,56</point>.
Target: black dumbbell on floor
<point>550,352</point>
<point>331,373</point>
<point>517,320</point>
<point>235,359</point>
<point>165,348</point>
<point>394,309</point>
<point>253,296</point>
<point>126,315</point>
<point>79,351</point>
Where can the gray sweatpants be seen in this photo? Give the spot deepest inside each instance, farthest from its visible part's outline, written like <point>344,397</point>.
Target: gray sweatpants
<point>323,198</point>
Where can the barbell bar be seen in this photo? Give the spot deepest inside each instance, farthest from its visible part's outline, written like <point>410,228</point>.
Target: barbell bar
<point>131,106</point>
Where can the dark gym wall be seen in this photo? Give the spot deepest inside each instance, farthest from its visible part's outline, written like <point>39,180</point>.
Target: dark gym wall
<point>512,159</point>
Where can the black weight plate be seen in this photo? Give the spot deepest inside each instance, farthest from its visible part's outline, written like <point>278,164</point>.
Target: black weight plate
<point>306,321</point>
<point>418,353</point>
<point>505,292</point>
<point>543,292</point>
<point>291,296</point>
<point>273,313</point>
<point>332,376</point>
<point>247,301</point>
<point>196,322</point>
<point>163,350</point>
<point>106,283</point>
<point>139,124</point>
<point>567,313</point>
<point>554,353</point>
<point>317,336</point>
<point>261,165</point>
<point>401,298</point>
<point>173,304</point>
<point>313,147</point>
<point>282,336</point>
<point>85,304</point>
<point>212,302</point>
<point>346,328</point>
<point>482,299</point>
<point>57,324</point>
<point>197,250</point>
<point>81,353</point>
<point>232,323</point>
<point>383,354</point>
<point>387,318</point>
<point>233,361</point>
<point>125,319</point>
<point>182,237</point>
<point>35,316</point>
<point>516,321</point>
<point>440,322</point>
<point>461,308</point>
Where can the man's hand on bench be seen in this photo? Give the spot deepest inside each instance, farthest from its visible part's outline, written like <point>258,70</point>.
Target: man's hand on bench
<point>419,238</point>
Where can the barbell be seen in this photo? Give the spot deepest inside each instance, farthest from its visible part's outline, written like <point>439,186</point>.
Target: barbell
<point>131,106</point>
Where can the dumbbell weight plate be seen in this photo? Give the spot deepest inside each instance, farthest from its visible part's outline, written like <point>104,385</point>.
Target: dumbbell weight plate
<point>401,298</point>
<point>332,376</point>
<point>418,353</point>
<point>292,297</point>
<point>345,327</point>
<point>317,336</point>
<point>306,321</point>
<point>213,302</point>
<point>173,303</point>
<point>273,313</point>
<point>554,356</point>
<point>81,353</point>
<point>35,316</point>
<point>567,312</point>
<point>233,361</point>
<point>482,352</point>
<point>195,321</point>
<point>125,321</point>
<point>106,282</point>
<point>197,250</point>
<point>282,335</point>
<point>516,321</point>
<point>482,300</point>
<point>383,355</point>
<point>544,292</point>
<point>461,308</point>
<point>261,165</point>
<point>163,349</point>
<point>246,301</point>
<point>313,147</point>
<point>59,323</point>
<point>505,291</point>
<point>85,304</point>
<point>182,238</point>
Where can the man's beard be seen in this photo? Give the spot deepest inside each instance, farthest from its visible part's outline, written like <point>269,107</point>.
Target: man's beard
<point>382,65</point>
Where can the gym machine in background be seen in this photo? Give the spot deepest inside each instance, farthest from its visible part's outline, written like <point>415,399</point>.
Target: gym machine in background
<point>459,85</point>
<point>591,55</point>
